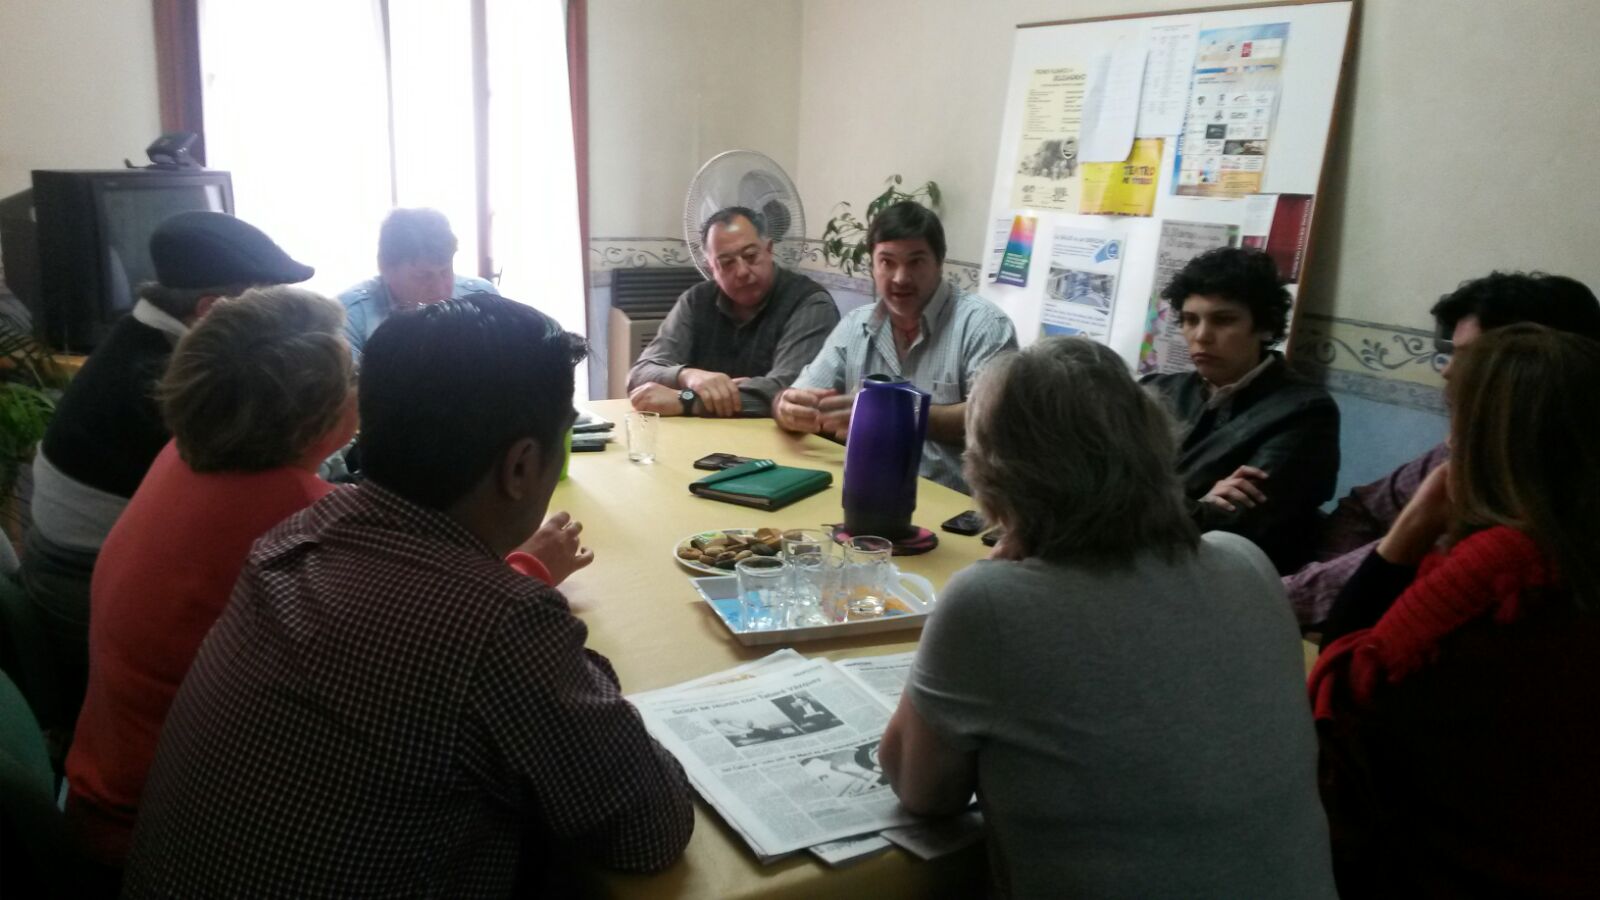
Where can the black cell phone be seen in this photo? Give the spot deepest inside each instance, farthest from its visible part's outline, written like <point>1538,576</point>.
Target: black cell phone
<point>969,522</point>
<point>719,461</point>
<point>993,536</point>
<point>589,443</point>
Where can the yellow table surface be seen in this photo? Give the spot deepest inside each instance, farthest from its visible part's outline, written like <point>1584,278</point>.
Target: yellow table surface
<point>645,616</point>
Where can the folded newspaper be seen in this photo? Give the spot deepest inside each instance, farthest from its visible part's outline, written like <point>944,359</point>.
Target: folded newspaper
<point>786,750</point>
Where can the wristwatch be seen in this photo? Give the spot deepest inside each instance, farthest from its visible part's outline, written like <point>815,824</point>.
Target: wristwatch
<point>688,396</point>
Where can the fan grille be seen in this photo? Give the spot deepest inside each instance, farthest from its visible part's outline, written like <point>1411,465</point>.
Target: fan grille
<point>751,180</point>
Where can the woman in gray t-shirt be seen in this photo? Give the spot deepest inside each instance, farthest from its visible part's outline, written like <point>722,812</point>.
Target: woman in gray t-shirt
<point>1126,696</point>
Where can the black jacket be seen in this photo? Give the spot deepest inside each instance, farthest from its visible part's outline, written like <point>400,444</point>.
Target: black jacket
<point>107,429</point>
<point>1279,423</point>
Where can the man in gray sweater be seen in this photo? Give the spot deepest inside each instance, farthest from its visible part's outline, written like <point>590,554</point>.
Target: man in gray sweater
<point>731,345</point>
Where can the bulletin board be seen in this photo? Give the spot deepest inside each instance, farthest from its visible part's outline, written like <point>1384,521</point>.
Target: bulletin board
<point>1132,143</point>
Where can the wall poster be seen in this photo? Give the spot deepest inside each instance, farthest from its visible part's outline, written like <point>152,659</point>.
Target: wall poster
<point>1238,75</point>
<point>1047,156</point>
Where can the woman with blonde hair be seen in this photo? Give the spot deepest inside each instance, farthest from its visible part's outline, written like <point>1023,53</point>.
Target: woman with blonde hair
<point>1121,691</point>
<point>257,394</point>
<point>1457,690</point>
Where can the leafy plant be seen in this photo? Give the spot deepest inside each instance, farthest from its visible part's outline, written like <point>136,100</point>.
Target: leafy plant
<point>844,240</point>
<point>28,376</point>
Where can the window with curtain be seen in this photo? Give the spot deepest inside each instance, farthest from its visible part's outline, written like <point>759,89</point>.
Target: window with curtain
<point>331,112</point>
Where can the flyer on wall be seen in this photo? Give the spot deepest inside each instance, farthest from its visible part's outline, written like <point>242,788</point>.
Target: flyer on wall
<point>1047,155</point>
<point>1166,78</point>
<point>1280,224</point>
<point>1163,349</point>
<point>1238,75</point>
<point>1081,292</point>
<point>999,236</point>
<point>1019,252</point>
<point>1111,104</point>
<point>1126,188</point>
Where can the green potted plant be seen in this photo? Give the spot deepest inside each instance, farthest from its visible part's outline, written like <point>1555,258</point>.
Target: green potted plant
<point>28,383</point>
<point>844,240</point>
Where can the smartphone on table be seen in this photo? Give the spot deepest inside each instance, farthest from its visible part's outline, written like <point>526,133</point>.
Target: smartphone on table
<point>969,522</point>
<point>719,461</point>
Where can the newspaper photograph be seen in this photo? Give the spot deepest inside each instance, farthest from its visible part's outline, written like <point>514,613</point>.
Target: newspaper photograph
<point>788,755</point>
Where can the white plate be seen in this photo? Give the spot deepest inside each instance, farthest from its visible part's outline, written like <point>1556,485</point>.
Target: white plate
<point>700,567</point>
<point>722,595</point>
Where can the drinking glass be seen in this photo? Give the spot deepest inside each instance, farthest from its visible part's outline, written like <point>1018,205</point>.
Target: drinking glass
<point>763,592</point>
<point>868,573</point>
<point>817,590</point>
<point>800,542</point>
<point>642,428</point>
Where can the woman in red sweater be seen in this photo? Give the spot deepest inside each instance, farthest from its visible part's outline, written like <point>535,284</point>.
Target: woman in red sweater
<point>256,396</point>
<point>1456,696</point>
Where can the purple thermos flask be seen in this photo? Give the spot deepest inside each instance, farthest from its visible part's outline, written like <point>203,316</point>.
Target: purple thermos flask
<point>883,454</point>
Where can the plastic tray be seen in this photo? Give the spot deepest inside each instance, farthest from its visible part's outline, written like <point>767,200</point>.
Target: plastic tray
<point>721,593</point>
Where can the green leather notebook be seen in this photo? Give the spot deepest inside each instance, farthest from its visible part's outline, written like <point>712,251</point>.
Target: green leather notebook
<point>761,483</point>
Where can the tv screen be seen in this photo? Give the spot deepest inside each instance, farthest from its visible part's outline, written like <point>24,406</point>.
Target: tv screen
<point>93,230</point>
<point>129,214</point>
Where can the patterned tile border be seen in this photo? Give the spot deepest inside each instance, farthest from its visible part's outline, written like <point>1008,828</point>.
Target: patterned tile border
<point>1387,363</point>
<point>607,254</point>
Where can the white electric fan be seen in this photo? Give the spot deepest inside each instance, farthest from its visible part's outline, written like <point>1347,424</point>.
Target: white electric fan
<point>752,180</point>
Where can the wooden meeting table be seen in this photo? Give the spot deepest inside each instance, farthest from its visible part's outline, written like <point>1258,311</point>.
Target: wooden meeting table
<point>646,617</point>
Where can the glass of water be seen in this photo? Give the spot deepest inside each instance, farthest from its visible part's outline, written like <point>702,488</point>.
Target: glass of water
<point>801,542</point>
<point>763,592</point>
<point>869,570</point>
<point>641,428</point>
<point>816,590</point>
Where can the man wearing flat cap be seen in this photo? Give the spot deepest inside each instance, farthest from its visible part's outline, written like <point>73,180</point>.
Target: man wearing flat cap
<point>107,428</point>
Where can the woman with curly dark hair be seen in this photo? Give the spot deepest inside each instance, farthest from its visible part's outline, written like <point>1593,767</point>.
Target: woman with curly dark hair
<point>1259,446</point>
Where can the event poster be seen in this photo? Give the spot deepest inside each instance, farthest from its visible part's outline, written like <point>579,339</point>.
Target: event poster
<point>1126,188</point>
<point>1047,155</point>
<point>1163,348</point>
<point>1280,224</point>
<point>1238,75</point>
<point>1019,252</point>
<point>1081,292</point>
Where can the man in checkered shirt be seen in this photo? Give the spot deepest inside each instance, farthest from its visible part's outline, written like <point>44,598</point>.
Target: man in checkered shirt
<point>387,707</point>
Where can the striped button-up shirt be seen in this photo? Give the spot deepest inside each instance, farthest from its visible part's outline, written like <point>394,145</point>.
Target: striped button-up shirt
<point>388,709</point>
<point>958,335</point>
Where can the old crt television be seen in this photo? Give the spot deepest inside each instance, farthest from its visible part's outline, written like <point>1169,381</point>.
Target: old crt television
<point>93,244</point>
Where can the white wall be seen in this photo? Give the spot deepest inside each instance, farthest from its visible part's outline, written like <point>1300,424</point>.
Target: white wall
<point>77,86</point>
<point>1465,144</point>
<point>672,84</point>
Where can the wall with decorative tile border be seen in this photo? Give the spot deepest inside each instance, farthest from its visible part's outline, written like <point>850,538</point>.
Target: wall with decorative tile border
<point>607,254</point>
<point>1393,364</point>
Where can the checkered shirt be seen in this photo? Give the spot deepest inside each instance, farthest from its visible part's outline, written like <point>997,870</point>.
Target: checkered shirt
<point>386,708</point>
<point>959,333</point>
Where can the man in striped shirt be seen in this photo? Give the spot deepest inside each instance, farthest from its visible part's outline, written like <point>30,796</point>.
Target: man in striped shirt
<point>920,329</point>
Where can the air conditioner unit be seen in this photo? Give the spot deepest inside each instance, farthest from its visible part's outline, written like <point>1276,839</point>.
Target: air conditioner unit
<point>640,299</point>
